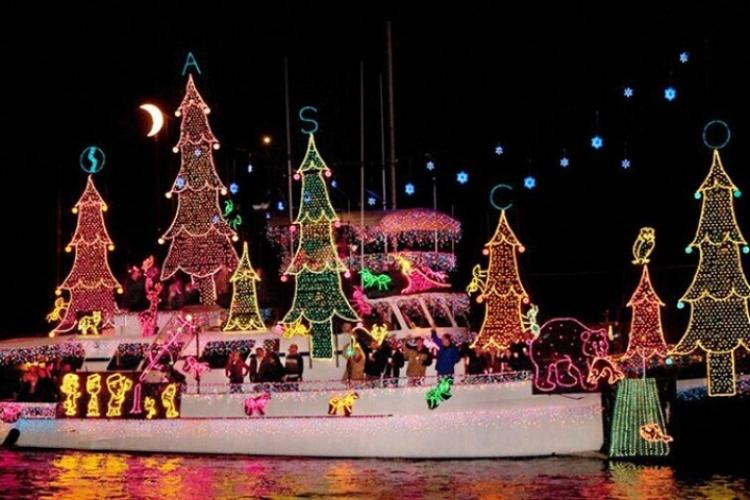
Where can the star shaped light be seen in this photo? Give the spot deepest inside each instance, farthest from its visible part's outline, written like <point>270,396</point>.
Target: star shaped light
<point>371,201</point>
<point>462,177</point>
<point>564,162</point>
<point>670,94</point>
<point>529,182</point>
<point>430,165</point>
<point>684,57</point>
<point>625,163</point>
<point>499,150</point>
<point>627,92</point>
<point>409,188</point>
<point>233,188</point>
<point>597,142</point>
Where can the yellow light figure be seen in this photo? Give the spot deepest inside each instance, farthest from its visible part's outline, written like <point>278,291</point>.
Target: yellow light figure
<point>499,287</point>
<point>149,404</point>
<point>718,295</point>
<point>295,329</point>
<point>118,385</point>
<point>244,313</point>
<point>90,324</point>
<point>379,333</point>
<point>344,404</point>
<point>59,307</point>
<point>167,401</point>
<point>70,387</point>
<point>93,388</point>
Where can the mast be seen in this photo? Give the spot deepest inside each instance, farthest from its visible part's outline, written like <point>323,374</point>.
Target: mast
<point>391,120</point>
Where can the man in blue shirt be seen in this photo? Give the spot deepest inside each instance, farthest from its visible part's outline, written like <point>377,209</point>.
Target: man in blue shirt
<point>448,355</point>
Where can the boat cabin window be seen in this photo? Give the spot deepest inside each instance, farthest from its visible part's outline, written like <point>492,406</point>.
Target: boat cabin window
<point>127,357</point>
<point>439,314</point>
<point>413,314</point>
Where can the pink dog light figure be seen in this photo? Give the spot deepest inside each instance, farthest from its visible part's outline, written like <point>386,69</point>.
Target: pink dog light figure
<point>194,367</point>
<point>257,404</point>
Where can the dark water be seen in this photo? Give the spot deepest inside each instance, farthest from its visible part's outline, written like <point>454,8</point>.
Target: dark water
<point>81,475</point>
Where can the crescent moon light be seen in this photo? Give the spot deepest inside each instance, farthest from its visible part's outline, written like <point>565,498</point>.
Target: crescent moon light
<point>157,118</point>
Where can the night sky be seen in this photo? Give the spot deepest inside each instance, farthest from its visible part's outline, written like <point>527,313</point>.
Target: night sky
<point>530,76</point>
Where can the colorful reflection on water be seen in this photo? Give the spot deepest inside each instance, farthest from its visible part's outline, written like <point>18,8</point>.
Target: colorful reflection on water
<point>81,475</point>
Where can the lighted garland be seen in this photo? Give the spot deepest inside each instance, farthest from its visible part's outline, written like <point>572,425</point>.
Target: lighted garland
<point>66,350</point>
<point>90,283</point>
<point>317,267</point>
<point>221,348</point>
<point>380,262</point>
<point>499,287</point>
<point>718,295</point>
<point>638,426</point>
<point>201,239</point>
<point>244,313</point>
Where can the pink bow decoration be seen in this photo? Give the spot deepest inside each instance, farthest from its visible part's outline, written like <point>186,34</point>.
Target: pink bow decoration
<point>257,404</point>
<point>194,367</point>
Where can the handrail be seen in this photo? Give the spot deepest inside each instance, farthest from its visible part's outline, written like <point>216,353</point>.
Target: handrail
<point>339,385</point>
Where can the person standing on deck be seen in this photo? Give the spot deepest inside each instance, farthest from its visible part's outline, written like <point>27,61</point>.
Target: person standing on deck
<point>447,356</point>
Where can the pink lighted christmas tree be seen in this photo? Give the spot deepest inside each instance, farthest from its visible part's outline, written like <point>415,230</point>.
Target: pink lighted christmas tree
<point>90,283</point>
<point>201,240</point>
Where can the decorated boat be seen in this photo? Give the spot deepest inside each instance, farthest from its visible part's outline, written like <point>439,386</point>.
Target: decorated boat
<point>156,380</point>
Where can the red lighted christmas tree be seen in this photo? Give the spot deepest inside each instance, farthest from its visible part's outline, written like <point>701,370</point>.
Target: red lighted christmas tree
<point>90,284</point>
<point>201,240</point>
<point>646,338</point>
<point>501,290</point>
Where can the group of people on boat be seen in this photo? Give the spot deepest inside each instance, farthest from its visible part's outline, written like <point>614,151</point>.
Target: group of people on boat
<point>263,367</point>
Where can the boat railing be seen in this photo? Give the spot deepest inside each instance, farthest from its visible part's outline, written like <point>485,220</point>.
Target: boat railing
<point>340,385</point>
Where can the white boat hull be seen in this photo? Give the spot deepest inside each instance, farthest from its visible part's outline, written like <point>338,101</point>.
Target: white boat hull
<point>482,420</point>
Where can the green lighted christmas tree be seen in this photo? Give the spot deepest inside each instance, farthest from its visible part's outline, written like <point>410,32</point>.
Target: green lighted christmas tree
<point>243,311</point>
<point>316,265</point>
<point>719,321</point>
<point>638,428</point>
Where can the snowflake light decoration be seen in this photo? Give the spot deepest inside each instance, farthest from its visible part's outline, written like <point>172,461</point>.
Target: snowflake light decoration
<point>670,94</point>
<point>409,188</point>
<point>597,142</point>
<point>462,177</point>
<point>529,182</point>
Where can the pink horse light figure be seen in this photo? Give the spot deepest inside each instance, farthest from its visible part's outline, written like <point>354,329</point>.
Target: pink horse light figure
<point>257,404</point>
<point>194,367</point>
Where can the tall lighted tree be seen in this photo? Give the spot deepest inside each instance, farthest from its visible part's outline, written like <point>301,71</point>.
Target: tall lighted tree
<point>244,313</point>
<point>90,283</point>
<point>718,295</point>
<point>501,290</point>
<point>646,337</point>
<point>317,267</point>
<point>200,239</point>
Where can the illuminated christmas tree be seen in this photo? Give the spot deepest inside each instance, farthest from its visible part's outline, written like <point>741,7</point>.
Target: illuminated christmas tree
<point>646,338</point>
<point>501,290</point>
<point>318,296</point>
<point>719,321</point>
<point>201,240</point>
<point>91,284</point>
<point>243,312</point>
